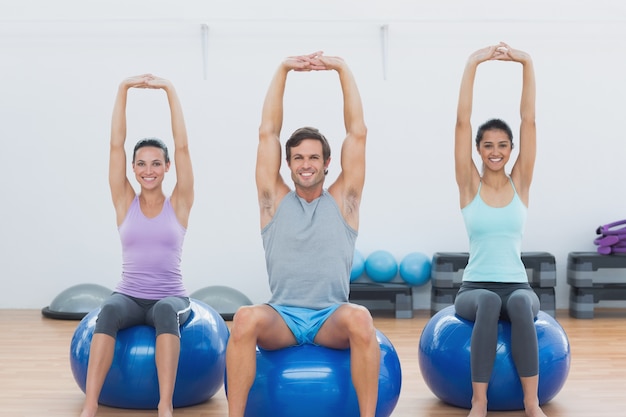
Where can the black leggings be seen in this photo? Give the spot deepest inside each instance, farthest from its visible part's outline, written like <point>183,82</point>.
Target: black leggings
<point>121,311</point>
<point>486,303</point>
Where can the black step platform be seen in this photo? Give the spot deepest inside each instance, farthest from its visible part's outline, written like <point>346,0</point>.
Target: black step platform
<point>593,278</point>
<point>401,295</point>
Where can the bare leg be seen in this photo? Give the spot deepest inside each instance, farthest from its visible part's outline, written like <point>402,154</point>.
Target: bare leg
<point>365,368</point>
<point>100,359</point>
<point>253,325</point>
<point>166,356</point>
<point>352,326</point>
<point>530,387</point>
<point>240,364</point>
<point>479,399</point>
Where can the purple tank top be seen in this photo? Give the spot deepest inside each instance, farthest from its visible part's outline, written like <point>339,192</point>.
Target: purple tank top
<point>151,254</point>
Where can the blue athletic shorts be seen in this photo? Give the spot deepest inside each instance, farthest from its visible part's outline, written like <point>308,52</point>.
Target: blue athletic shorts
<point>304,323</point>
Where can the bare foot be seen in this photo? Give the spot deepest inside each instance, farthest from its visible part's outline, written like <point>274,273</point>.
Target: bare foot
<point>166,412</point>
<point>534,411</point>
<point>478,410</point>
<point>89,411</point>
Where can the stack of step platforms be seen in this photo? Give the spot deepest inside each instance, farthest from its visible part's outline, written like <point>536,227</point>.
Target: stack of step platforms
<point>401,295</point>
<point>593,278</point>
<point>447,275</point>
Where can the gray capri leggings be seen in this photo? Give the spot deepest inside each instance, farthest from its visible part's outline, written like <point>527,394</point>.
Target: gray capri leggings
<point>485,303</point>
<point>121,311</point>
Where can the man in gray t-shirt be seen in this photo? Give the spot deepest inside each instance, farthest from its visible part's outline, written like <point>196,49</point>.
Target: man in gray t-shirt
<point>309,235</point>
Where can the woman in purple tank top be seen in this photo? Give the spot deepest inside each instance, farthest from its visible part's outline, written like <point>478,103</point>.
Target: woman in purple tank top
<point>142,286</point>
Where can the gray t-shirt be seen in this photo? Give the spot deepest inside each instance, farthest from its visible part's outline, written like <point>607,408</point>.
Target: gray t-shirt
<point>309,249</point>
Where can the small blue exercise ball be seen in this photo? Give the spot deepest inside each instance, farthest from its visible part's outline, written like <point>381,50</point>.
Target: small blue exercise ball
<point>132,379</point>
<point>444,360</point>
<point>358,266</point>
<point>381,266</point>
<point>315,381</point>
<point>415,269</point>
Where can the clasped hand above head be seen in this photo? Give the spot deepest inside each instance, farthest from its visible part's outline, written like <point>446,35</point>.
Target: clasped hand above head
<point>315,61</point>
<point>500,52</point>
<point>146,81</point>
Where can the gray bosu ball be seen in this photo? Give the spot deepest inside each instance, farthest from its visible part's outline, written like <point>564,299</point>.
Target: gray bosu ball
<point>75,302</point>
<point>224,300</point>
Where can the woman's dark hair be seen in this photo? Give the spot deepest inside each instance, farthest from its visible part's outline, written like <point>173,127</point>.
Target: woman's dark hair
<point>307,133</point>
<point>494,124</point>
<point>155,143</point>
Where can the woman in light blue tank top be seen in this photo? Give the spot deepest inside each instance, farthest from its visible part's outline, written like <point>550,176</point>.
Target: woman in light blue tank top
<point>494,204</point>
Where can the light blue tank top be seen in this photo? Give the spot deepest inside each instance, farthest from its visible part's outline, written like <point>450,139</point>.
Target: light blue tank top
<point>151,252</point>
<point>309,249</point>
<point>495,238</point>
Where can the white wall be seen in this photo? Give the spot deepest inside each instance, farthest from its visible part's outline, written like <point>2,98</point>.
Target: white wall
<point>61,63</point>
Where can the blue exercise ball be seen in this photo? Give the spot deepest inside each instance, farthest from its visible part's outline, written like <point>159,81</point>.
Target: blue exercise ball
<point>381,266</point>
<point>313,381</point>
<point>132,379</point>
<point>444,360</point>
<point>358,265</point>
<point>415,269</point>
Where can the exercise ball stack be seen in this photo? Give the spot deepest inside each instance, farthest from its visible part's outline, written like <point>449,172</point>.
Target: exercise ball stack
<point>444,360</point>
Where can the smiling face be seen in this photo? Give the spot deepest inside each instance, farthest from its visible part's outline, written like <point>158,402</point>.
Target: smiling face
<point>495,149</point>
<point>150,167</point>
<point>307,164</point>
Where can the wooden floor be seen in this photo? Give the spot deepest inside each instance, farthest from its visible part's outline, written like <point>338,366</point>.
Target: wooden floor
<point>36,380</point>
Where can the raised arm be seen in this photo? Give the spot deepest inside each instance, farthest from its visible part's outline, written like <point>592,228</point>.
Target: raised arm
<point>183,192</point>
<point>348,187</point>
<point>522,172</point>
<point>122,192</point>
<point>467,175</point>
<point>271,187</point>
